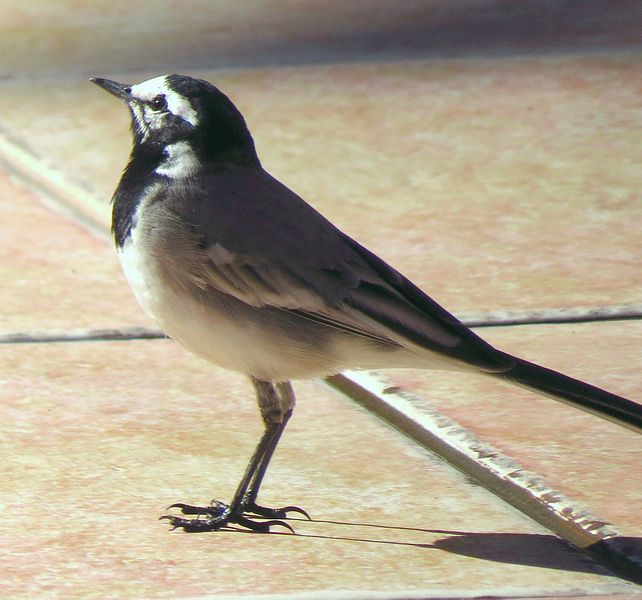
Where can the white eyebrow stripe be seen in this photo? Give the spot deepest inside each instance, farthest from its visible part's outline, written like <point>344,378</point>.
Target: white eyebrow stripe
<point>176,104</point>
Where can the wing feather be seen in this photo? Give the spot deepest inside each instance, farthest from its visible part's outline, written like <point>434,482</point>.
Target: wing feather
<point>260,243</point>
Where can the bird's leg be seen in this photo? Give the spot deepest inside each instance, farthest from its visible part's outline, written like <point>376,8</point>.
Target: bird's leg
<point>281,414</point>
<point>219,514</point>
<point>276,408</point>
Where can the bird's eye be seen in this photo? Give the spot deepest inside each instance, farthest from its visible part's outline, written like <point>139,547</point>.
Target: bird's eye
<point>158,102</point>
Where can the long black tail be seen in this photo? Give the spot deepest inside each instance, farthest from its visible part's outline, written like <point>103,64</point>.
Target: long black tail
<point>574,392</point>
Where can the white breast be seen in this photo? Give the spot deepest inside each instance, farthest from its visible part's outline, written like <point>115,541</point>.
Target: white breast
<point>214,330</point>
<point>143,278</point>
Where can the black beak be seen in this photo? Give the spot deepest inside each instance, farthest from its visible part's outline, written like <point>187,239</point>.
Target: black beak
<point>120,90</point>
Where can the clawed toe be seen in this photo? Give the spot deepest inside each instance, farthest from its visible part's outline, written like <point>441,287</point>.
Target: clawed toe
<point>297,509</point>
<point>220,515</point>
<point>275,513</point>
<point>215,509</point>
<point>261,526</point>
<point>222,522</point>
<point>194,525</point>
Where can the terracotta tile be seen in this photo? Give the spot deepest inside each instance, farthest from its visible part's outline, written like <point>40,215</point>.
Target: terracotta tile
<point>56,275</point>
<point>591,460</point>
<point>504,183</point>
<point>100,437</point>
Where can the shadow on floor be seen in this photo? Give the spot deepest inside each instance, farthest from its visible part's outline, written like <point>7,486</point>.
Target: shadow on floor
<point>548,551</point>
<point>537,550</point>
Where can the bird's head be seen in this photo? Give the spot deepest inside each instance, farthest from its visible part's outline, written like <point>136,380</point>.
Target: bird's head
<point>175,109</point>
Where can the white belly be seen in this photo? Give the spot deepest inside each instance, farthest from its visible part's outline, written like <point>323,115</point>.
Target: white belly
<point>239,342</point>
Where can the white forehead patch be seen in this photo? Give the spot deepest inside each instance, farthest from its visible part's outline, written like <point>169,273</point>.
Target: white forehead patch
<point>176,104</point>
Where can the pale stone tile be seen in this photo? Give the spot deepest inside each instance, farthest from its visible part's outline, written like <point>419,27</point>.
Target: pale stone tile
<point>55,275</point>
<point>99,437</point>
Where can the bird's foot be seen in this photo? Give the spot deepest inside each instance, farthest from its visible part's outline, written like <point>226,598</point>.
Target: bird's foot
<point>219,515</point>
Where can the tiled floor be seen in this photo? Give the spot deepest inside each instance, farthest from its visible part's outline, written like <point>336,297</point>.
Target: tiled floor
<point>57,276</point>
<point>493,183</point>
<point>102,436</point>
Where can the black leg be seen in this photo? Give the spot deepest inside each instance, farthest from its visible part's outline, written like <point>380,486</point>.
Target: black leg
<point>253,489</point>
<point>276,405</point>
<point>287,399</point>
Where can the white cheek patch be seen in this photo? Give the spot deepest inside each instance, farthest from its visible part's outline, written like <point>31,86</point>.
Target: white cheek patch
<point>176,104</point>
<point>139,119</point>
<point>180,161</point>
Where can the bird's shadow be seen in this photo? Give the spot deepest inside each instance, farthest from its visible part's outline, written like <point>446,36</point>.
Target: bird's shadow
<point>528,549</point>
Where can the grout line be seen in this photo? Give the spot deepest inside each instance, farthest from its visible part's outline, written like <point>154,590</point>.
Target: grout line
<point>490,320</point>
<point>528,492</point>
<point>554,316</point>
<point>82,335</point>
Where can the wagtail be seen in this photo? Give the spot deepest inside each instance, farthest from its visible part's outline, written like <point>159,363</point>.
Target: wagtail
<point>244,273</point>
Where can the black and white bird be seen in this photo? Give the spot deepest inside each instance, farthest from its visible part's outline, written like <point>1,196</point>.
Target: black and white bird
<point>242,272</point>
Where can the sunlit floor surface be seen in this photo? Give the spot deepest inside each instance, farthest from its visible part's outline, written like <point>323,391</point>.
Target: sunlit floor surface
<point>494,184</point>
